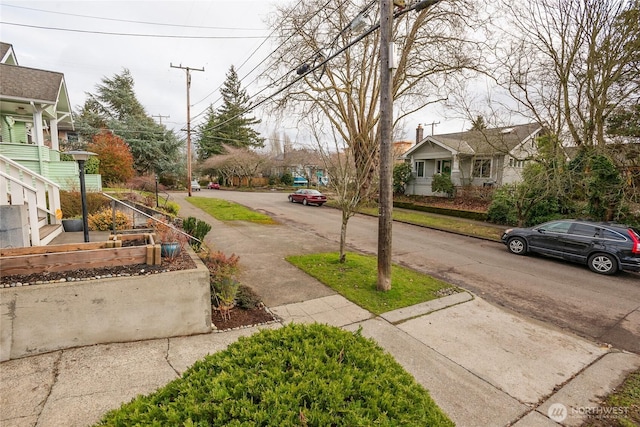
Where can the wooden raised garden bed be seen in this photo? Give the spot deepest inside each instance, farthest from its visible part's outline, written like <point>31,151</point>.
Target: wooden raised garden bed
<point>112,253</point>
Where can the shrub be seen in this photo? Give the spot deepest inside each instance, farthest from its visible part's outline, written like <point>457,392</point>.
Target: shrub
<point>297,375</point>
<point>246,297</point>
<point>222,268</point>
<point>71,203</point>
<point>401,176</point>
<point>286,179</point>
<point>103,220</point>
<point>443,184</point>
<point>196,228</point>
<point>502,209</point>
<point>172,208</point>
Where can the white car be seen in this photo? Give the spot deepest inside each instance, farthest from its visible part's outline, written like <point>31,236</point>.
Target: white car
<point>195,186</point>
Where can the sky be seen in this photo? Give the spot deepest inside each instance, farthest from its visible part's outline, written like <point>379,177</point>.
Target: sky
<point>89,40</point>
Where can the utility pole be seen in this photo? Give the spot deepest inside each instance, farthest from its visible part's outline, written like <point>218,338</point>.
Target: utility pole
<point>160,117</point>
<point>188,70</point>
<point>385,197</point>
<point>433,124</point>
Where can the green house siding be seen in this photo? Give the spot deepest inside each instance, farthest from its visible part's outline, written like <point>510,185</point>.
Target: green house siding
<point>15,134</point>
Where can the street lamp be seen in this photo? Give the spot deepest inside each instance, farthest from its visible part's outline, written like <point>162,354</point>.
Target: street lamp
<point>81,157</point>
<point>157,205</point>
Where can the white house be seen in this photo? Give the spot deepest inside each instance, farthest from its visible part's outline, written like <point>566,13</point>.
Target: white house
<point>479,157</point>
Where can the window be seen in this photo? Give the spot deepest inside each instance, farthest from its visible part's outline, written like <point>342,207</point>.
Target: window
<point>419,168</point>
<point>515,163</point>
<point>556,227</point>
<point>611,235</point>
<point>443,167</point>
<point>482,168</point>
<point>584,230</point>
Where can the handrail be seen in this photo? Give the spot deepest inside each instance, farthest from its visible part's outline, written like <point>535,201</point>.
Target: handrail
<point>31,197</point>
<point>29,171</point>
<point>151,217</point>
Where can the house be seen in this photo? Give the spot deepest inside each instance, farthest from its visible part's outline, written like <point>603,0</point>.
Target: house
<point>477,157</point>
<point>35,112</point>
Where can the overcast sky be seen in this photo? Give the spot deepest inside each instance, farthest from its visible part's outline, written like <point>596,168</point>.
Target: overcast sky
<point>89,40</point>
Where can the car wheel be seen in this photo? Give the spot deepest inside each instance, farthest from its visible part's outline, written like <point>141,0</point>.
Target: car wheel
<point>603,263</point>
<point>517,245</point>
<point>291,199</point>
<point>304,202</point>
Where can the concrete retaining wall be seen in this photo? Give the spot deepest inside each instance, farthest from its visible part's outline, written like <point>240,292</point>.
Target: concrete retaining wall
<point>42,318</point>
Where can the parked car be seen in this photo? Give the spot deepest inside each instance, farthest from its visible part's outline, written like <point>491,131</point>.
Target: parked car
<point>307,196</point>
<point>213,186</point>
<point>195,186</point>
<point>299,181</point>
<point>604,247</point>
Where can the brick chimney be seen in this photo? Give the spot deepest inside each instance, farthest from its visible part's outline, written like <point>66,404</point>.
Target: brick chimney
<point>419,134</point>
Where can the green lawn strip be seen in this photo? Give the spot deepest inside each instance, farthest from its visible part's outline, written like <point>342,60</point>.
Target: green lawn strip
<point>356,280</point>
<point>456,225</point>
<point>228,211</point>
<point>297,375</point>
<point>620,408</point>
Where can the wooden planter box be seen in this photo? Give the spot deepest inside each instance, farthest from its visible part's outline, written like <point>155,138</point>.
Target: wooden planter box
<point>41,259</point>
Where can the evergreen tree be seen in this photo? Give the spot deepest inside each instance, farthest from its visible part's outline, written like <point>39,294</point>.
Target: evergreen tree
<point>229,124</point>
<point>115,107</point>
<point>478,124</point>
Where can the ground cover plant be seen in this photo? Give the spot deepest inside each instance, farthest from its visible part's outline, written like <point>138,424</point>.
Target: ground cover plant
<point>228,211</point>
<point>356,280</point>
<point>297,375</point>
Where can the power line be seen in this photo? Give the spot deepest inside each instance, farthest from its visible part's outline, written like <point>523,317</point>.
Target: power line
<point>106,33</point>
<point>131,21</point>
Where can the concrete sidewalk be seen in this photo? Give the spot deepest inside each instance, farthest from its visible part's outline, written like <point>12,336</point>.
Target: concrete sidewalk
<point>483,366</point>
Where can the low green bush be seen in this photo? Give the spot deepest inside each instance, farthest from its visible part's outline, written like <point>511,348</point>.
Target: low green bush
<point>298,375</point>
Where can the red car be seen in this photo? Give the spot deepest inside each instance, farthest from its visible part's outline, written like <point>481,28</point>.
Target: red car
<point>213,186</point>
<point>307,197</point>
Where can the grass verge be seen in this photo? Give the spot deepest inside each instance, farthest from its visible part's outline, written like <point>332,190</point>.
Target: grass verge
<point>297,375</point>
<point>356,280</point>
<point>456,225</point>
<point>228,211</point>
<point>621,408</point>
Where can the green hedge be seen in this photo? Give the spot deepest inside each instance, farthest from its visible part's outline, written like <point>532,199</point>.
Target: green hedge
<point>476,216</point>
<point>297,375</point>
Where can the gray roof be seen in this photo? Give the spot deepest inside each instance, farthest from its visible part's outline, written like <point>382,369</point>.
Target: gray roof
<point>29,83</point>
<point>484,142</point>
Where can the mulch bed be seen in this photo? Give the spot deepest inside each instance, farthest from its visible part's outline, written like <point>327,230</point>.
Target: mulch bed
<point>241,317</point>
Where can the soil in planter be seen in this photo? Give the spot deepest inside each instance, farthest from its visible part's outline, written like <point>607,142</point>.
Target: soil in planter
<point>182,262</point>
<point>241,317</point>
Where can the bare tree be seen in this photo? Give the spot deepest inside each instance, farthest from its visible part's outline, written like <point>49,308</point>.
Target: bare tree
<point>433,46</point>
<point>241,163</point>
<point>571,63</point>
<point>345,179</point>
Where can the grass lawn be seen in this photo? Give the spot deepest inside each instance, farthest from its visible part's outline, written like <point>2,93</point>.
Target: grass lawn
<point>228,211</point>
<point>441,222</point>
<point>356,280</point>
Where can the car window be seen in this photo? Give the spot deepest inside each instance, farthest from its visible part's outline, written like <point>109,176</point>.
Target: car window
<point>556,227</point>
<point>611,235</point>
<point>584,230</point>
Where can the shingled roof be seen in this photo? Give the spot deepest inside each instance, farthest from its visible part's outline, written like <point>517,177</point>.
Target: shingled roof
<point>484,142</point>
<point>30,84</point>
<point>488,141</point>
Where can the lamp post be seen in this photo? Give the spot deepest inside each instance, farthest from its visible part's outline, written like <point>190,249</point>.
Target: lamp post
<point>157,205</point>
<point>81,157</point>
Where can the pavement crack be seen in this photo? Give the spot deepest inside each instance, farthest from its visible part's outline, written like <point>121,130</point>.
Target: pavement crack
<point>54,373</point>
<point>166,357</point>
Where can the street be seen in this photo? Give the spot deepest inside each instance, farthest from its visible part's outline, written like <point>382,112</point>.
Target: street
<point>605,309</point>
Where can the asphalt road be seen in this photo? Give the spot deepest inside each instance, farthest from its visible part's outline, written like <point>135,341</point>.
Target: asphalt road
<point>605,309</point>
